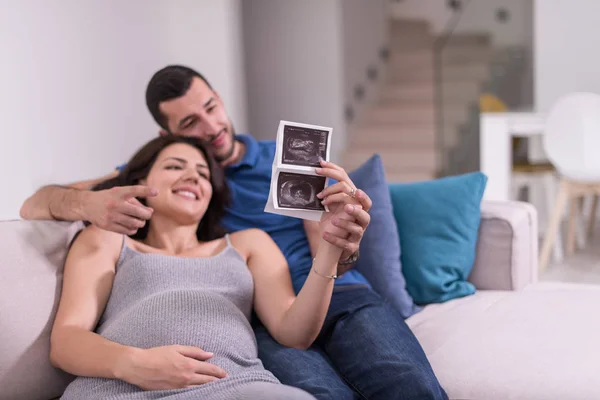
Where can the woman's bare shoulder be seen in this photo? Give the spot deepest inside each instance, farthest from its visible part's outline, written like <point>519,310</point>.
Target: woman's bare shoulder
<point>249,239</point>
<point>92,238</point>
<point>249,235</point>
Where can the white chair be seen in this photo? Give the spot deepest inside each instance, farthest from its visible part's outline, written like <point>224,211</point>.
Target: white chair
<point>572,144</point>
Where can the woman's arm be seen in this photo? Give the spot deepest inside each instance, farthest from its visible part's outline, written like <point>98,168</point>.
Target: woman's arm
<point>292,321</point>
<point>88,276</point>
<point>313,234</point>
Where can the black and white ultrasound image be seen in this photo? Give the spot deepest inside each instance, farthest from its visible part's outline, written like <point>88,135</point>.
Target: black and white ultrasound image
<point>300,191</point>
<point>304,146</point>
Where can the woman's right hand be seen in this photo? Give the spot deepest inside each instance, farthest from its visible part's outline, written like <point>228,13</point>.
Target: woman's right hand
<point>170,367</point>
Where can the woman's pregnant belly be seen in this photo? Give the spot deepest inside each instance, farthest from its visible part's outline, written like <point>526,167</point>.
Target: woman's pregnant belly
<point>191,318</point>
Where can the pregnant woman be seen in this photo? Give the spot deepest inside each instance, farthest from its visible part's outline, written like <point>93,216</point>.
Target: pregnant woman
<point>165,313</point>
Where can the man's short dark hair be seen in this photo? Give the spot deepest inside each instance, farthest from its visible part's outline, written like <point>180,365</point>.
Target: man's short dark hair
<point>170,82</point>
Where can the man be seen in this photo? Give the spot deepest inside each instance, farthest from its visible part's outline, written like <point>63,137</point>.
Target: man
<point>365,349</point>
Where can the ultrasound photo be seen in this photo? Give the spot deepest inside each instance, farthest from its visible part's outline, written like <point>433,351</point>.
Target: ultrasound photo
<point>299,191</point>
<point>304,146</point>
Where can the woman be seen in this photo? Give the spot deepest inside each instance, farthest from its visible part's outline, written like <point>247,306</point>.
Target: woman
<point>165,313</point>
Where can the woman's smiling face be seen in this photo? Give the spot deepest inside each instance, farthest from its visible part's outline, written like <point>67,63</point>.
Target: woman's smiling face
<point>182,177</point>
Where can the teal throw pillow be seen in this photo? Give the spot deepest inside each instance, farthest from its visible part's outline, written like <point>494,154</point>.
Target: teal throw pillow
<point>438,223</point>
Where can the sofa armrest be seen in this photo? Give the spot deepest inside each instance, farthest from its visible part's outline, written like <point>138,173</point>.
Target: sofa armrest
<point>507,247</point>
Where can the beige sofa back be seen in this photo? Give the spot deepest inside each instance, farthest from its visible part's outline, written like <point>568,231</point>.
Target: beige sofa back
<point>31,260</point>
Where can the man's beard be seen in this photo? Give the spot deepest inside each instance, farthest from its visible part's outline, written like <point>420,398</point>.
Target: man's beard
<point>227,156</point>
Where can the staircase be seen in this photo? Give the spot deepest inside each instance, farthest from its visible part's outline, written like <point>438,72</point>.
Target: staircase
<point>401,124</point>
<point>506,81</point>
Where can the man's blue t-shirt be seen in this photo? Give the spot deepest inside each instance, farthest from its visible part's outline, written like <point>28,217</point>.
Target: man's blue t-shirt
<point>250,181</point>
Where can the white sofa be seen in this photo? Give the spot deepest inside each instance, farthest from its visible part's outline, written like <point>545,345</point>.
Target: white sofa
<point>513,339</point>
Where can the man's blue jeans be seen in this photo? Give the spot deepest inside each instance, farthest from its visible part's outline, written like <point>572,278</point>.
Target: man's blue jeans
<point>364,351</point>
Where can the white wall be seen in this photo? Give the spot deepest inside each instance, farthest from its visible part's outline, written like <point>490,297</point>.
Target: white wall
<point>479,16</point>
<point>73,78</point>
<point>294,65</point>
<point>566,49</point>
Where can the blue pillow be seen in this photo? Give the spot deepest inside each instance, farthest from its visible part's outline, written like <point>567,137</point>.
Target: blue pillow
<point>379,259</point>
<point>438,223</point>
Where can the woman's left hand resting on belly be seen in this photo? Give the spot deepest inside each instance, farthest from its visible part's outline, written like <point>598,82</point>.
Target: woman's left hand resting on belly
<point>170,367</point>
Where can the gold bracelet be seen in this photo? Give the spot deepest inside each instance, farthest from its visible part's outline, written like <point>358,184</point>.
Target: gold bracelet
<point>334,277</point>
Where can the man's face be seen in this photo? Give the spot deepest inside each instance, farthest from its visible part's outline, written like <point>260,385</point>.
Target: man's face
<point>200,113</point>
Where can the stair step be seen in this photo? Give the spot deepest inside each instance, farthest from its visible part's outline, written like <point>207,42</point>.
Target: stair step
<point>391,113</point>
<point>468,39</point>
<point>466,54</point>
<point>378,136</point>
<point>408,43</point>
<point>461,89</point>
<point>408,177</point>
<point>475,71</point>
<point>408,23</point>
<point>416,27</point>
<point>407,91</point>
<point>394,161</point>
<point>398,148</point>
<point>409,40</point>
<point>401,75</point>
<point>452,90</point>
<point>406,124</point>
<point>421,58</point>
<point>459,102</point>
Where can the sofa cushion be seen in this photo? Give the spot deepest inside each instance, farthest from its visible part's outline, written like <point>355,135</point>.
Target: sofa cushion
<point>438,223</point>
<point>31,263</point>
<point>380,248</point>
<point>540,343</point>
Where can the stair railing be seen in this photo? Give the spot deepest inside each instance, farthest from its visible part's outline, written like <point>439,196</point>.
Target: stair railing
<point>439,45</point>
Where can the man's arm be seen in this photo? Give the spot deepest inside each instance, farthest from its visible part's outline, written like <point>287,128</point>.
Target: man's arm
<point>60,202</point>
<point>116,209</point>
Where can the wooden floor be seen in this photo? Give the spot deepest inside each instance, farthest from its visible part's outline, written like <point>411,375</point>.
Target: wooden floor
<point>581,267</point>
